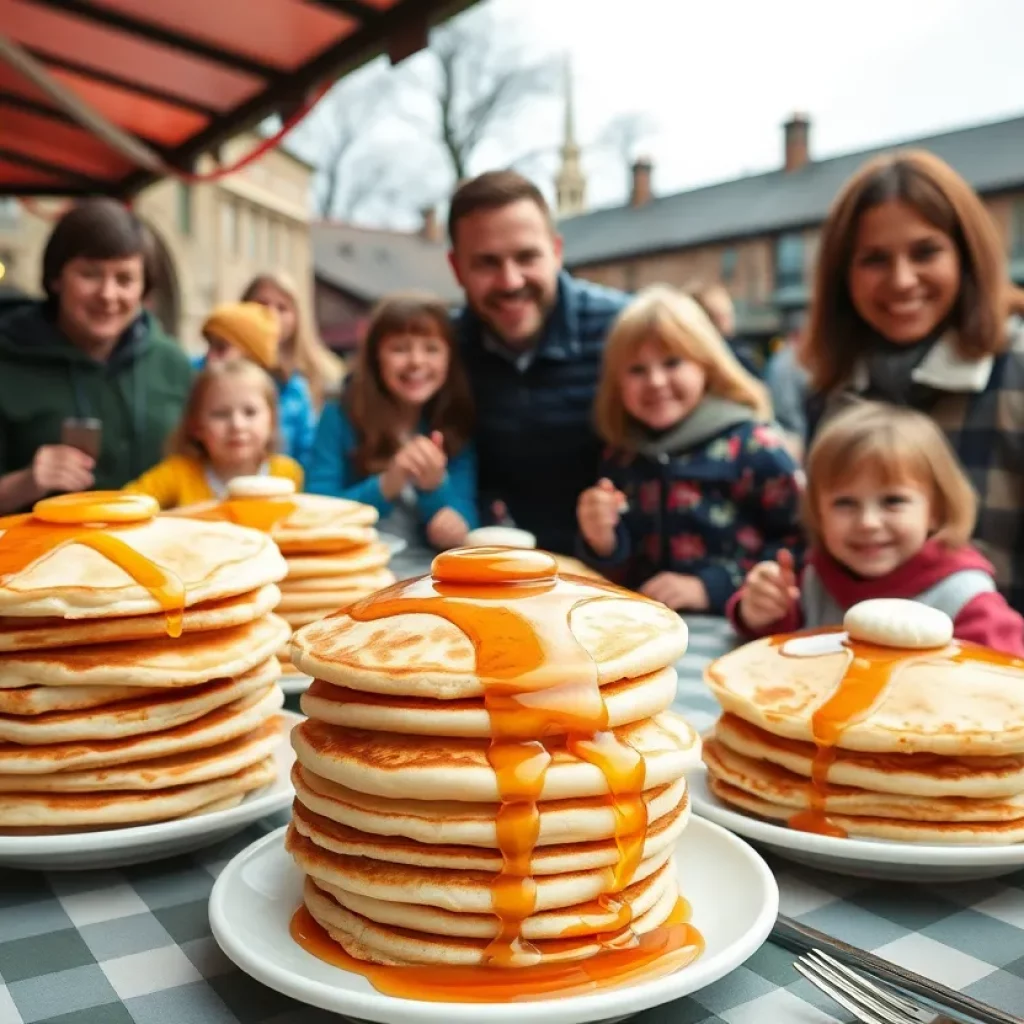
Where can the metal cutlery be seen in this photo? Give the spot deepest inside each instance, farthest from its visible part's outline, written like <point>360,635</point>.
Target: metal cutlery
<point>801,939</point>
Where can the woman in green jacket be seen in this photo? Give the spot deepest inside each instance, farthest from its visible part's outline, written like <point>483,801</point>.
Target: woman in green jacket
<point>90,385</point>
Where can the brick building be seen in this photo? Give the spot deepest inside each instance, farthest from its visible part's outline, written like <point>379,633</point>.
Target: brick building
<point>758,234</point>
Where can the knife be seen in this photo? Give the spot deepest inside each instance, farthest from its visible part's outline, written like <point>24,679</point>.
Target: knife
<point>800,938</point>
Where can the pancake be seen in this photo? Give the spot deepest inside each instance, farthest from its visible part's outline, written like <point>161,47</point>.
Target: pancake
<point>162,772</point>
<point>460,891</point>
<point>373,555</point>
<point>1001,833</point>
<point>159,710</point>
<point>453,822</point>
<point>961,700</point>
<point>629,700</point>
<point>923,775</point>
<point>212,560</point>
<point>489,772</point>
<point>310,521</point>
<point>218,726</point>
<point>296,620</point>
<point>545,860</point>
<point>49,810</point>
<point>191,659</point>
<point>382,944</point>
<point>569,566</point>
<point>393,765</point>
<point>780,787</point>
<point>138,664</point>
<point>37,700</point>
<point>334,594</point>
<point>28,634</point>
<point>369,581</point>
<point>583,919</point>
<point>420,654</point>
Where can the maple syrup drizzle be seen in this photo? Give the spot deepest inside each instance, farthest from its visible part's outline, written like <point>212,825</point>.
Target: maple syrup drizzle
<point>93,519</point>
<point>261,514</point>
<point>653,954</point>
<point>868,673</point>
<point>539,681</point>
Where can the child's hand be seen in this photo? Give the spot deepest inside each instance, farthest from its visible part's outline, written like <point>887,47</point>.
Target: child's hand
<point>423,458</point>
<point>597,512</point>
<point>447,529</point>
<point>394,479</point>
<point>677,591</point>
<point>769,592</point>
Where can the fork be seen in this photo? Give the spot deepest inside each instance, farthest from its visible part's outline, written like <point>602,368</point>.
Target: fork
<point>867,1001</point>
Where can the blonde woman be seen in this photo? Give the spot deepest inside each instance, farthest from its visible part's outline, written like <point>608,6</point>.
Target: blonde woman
<point>306,371</point>
<point>890,513</point>
<point>697,485</point>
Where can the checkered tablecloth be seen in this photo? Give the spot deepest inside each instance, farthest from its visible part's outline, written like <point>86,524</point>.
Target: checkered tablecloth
<point>115,947</point>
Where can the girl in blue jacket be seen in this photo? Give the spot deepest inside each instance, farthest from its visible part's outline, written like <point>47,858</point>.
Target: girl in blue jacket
<point>399,439</point>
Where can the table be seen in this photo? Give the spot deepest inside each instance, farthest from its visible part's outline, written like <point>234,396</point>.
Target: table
<point>117,947</point>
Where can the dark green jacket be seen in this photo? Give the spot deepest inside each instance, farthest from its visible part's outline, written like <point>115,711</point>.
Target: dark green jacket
<point>138,394</point>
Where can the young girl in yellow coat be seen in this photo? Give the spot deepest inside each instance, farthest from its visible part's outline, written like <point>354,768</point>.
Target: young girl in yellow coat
<point>229,429</point>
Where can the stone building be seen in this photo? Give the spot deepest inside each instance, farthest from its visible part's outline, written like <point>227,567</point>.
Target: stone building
<point>211,238</point>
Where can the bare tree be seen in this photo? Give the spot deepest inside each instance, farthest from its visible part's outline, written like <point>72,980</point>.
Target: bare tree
<point>472,90</point>
<point>355,168</point>
<point>620,140</point>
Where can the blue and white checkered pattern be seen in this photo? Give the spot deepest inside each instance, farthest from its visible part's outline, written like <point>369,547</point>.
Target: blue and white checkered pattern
<point>117,947</point>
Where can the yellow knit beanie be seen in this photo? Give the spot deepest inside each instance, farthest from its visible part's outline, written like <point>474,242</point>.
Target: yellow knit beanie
<point>252,328</point>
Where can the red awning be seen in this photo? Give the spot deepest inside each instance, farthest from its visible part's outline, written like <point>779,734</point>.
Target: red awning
<point>183,76</point>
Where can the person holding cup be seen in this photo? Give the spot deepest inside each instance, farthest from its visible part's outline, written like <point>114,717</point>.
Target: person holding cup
<point>90,385</point>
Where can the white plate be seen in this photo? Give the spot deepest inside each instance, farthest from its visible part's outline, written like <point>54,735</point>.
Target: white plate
<point>396,545</point>
<point>861,858</point>
<point>113,848</point>
<point>732,892</point>
<point>294,684</point>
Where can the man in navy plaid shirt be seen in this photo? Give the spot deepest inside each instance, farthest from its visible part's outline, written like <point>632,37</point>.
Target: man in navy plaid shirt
<point>531,337</point>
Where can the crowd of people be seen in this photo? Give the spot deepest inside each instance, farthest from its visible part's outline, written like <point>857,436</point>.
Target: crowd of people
<point>881,453</point>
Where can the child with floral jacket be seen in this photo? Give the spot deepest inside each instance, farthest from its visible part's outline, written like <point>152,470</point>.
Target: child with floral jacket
<point>696,487</point>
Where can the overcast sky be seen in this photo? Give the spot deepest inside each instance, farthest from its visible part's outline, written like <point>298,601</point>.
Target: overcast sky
<point>720,76</point>
<point>716,78</point>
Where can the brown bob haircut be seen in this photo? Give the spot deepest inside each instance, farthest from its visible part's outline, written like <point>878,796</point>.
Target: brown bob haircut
<point>493,190</point>
<point>97,229</point>
<point>369,405</point>
<point>896,444</point>
<point>836,333</point>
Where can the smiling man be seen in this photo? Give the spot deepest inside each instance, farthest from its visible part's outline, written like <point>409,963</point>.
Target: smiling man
<point>531,337</point>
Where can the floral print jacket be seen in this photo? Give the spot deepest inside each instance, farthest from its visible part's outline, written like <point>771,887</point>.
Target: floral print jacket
<point>712,510</point>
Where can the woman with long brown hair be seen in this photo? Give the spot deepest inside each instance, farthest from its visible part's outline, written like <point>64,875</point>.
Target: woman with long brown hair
<point>399,439</point>
<point>913,305</point>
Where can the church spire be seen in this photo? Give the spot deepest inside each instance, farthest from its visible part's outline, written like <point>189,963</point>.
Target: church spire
<point>570,182</point>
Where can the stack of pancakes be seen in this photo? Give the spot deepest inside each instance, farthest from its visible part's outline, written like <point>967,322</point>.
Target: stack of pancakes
<point>333,552</point>
<point>845,736</point>
<point>335,558</point>
<point>107,718</point>
<point>432,823</point>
